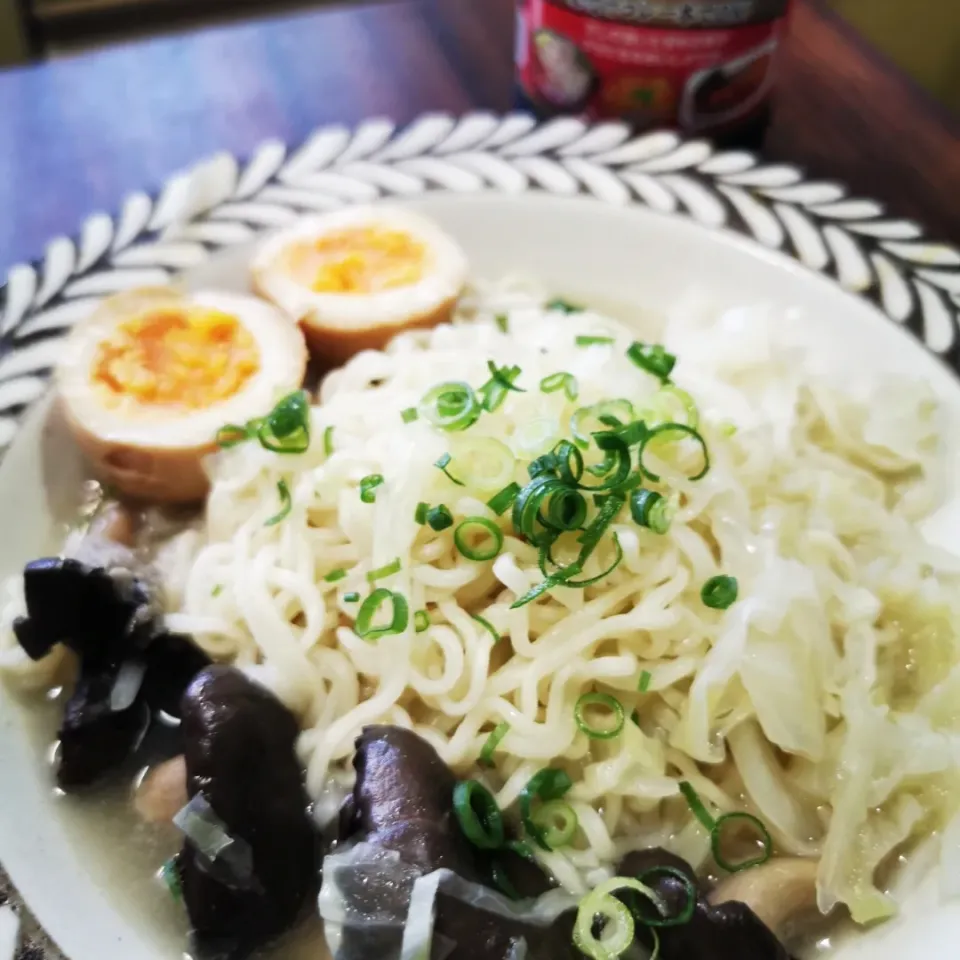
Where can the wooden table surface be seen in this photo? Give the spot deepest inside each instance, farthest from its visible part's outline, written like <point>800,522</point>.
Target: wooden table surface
<point>78,134</point>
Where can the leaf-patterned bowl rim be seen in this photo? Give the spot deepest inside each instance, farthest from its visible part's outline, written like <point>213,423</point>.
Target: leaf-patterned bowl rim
<point>221,202</point>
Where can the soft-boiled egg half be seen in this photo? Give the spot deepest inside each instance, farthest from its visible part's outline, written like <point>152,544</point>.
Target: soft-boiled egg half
<point>148,380</point>
<point>355,277</point>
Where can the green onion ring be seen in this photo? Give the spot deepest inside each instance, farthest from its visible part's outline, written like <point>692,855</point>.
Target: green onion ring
<point>286,504</point>
<point>502,882</point>
<point>409,415</point>
<point>488,626</point>
<point>674,428</point>
<point>232,434</point>
<point>328,441</point>
<point>589,581</point>
<point>611,443</point>
<point>368,487</point>
<point>565,453</point>
<point>491,743</point>
<point>689,905</point>
<point>601,902</point>
<point>556,834</point>
<point>720,592</point>
<point>652,358</point>
<point>483,827</point>
<point>387,570</point>
<point>478,552</point>
<point>439,518</point>
<point>450,406</point>
<point>561,381</point>
<point>500,502</point>
<point>546,784</point>
<point>442,465</point>
<point>368,610</point>
<point>716,838</point>
<point>564,306</point>
<point>421,621</point>
<point>606,732</point>
<point>651,510</point>
<point>697,806</point>
<point>334,575</point>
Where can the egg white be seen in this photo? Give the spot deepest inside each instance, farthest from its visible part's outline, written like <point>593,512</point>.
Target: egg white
<point>339,324</point>
<point>154,451</point>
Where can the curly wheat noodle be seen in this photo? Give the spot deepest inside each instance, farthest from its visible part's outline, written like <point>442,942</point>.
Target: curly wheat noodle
<point>766,707</point>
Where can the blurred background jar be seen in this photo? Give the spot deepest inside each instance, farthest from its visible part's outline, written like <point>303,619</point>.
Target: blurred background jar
<point>705,66</point>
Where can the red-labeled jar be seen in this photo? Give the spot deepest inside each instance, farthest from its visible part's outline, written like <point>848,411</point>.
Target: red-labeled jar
<point>705,66</point>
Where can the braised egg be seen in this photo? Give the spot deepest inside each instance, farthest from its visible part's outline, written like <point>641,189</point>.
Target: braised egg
<point>148,380</point>
<point>355,277</point>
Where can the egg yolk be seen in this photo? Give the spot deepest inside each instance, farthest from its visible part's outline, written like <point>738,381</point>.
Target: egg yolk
<point>188,358</point>
<point>358,260</point>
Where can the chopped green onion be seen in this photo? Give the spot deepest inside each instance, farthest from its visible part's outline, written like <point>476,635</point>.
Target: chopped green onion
<point>545,785</point>
<point>621,409</point>
<point>328,441</point>
<point>286,504</point>
<point>409,415</point>
<point>351,597</point>
<point>557,822</point>
<point>612,709</point>
<point>673,428</point>
<point>387,570</point>
<point>612,920</point>
<point>232,435</point>
<point>484,464</point>
<point>644,685</point>
<point>593,341</point>
<point>682,916</point>
<point>368,487</point>
<point>716,838</point>
<point>286,429</point>
<point>421,621</point>
<point>564,306</point>
<point>492,742</point>
<point>502,882</point>
<point>652,358</point>
<point>170,876</point>
<point>697,807</point>
<point>718,593</point>
<point>566,382</point>
<point>217,590</point>
<point>442,464</point>
<point>488,626</point>
<point>371,606</point>
<point>650,509</point>
<point>451,406</point>
<point>334,575</point>
<point>420,514</point>
<point>478,815</point>
<point>606,515</point>
<point>487,548</point>
<point>500,502</point>
<point>502,321</point>
<point>495,390</point>
<point>589,581</point>
<point>439,518</point>
<point>715,826</point>
<point>670,404</point>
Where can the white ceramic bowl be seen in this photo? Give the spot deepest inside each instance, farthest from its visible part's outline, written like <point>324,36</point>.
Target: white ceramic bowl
<point>629,224</point>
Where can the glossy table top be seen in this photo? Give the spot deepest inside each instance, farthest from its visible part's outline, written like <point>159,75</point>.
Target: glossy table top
<point>80,133</point>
